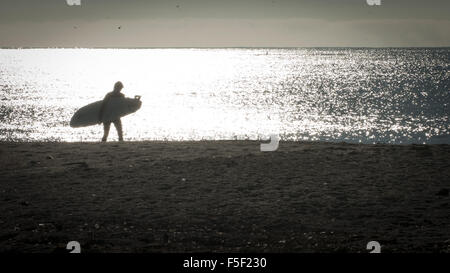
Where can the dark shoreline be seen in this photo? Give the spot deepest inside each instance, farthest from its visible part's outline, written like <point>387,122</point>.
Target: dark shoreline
<point>224,196</point>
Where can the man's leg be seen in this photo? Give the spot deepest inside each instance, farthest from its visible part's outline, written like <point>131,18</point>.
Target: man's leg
<point>118,125</point>
<point>106,126</point>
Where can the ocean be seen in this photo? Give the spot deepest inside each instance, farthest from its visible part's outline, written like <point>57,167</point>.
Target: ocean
<point>355,95</point>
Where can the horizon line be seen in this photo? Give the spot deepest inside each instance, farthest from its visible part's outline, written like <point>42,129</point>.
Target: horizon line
<point>229,47</point>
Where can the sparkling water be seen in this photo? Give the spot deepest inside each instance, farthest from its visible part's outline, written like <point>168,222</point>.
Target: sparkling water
<point>327,94</point>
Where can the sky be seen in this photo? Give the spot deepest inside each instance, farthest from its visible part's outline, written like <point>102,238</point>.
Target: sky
<point>225,23</point>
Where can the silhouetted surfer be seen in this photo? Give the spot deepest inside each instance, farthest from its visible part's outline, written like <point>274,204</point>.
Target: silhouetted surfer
<point>118,86</point>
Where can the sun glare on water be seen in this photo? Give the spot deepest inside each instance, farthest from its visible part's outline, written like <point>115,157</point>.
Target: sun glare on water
<point>195,94</point>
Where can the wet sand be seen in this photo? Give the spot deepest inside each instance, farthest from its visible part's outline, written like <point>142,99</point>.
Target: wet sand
<point>224,196</point>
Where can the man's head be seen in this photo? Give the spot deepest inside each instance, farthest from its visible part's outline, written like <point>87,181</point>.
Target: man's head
<point>118,86</point>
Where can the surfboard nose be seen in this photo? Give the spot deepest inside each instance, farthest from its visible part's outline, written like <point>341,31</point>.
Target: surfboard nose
<point>135,104</point>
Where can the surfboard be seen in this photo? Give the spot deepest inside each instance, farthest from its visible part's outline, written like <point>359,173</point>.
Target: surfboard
<point>115,108</point>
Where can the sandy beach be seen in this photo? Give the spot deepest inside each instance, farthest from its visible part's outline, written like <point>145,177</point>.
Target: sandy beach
<point>224,196</point>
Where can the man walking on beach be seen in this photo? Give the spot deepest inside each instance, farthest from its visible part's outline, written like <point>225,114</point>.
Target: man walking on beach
<point>118,86</point>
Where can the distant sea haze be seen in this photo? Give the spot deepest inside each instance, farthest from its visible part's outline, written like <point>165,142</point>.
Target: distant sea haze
<point>364,95</point>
